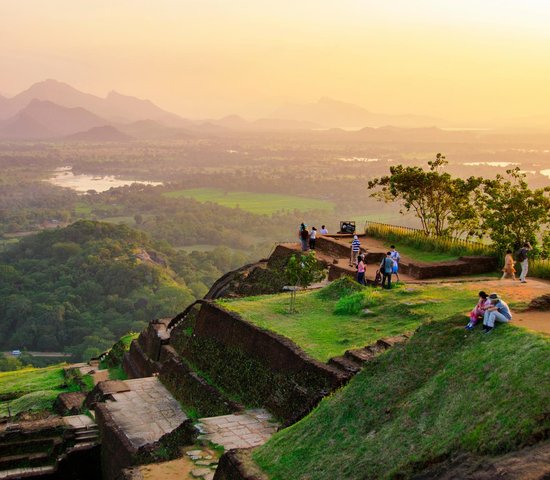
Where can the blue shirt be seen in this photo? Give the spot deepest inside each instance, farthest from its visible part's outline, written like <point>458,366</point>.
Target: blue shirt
<point>355,245</point>
<point>503,308</point>
<point>386,265</point>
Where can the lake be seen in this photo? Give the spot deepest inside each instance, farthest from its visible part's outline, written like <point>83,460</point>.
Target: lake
<point>64,177</point>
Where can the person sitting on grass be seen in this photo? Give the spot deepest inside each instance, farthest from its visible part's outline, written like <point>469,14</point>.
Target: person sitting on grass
<point>361,267</point>
<point>386,268</point>
<point>498,311</point>
<point>479,311</point>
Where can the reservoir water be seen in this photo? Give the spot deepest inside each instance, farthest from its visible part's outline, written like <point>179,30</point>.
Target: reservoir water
<point>64,177</point>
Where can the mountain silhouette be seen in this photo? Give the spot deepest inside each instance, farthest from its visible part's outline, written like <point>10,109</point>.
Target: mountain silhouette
<point>115,107</point>
<point>45,119</point>
<point>333,113</point>
<point>106,133</point>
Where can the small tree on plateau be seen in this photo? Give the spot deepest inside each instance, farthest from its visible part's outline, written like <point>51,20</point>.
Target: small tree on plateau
<point>301,272</point>
<point>514,214</point>
<point>443,204</point>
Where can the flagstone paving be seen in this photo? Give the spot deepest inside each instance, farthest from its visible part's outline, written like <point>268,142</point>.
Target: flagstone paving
<point>242,430</point>
<point>146,412</point>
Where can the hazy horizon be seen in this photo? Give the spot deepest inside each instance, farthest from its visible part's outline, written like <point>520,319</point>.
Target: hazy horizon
<point>462,62</point>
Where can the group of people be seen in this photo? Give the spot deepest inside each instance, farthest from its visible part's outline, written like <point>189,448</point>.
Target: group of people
<point>389,265</point>
<point>509,270</point>
<point>491,309</point>
<point>308,238</point>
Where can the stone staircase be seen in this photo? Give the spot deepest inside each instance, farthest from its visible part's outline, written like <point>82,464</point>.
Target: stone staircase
<point>38,448</point>
<point>353,360</point>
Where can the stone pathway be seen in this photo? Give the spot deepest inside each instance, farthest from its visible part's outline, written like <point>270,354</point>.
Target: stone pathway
<point>146,412</point>
<point>197,462</point>
<point>243,430</point>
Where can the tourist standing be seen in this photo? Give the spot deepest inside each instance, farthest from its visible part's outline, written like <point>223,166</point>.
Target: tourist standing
<point>303,234</point>
<point>361,267</point>
<point>386,268</point>
<point>524,261</point>
<point>355,249</point>
<point>324,230</point>
<point>312,238</point>
<point>509,271</point>
<point>396,258</point>
<point>498,311</point>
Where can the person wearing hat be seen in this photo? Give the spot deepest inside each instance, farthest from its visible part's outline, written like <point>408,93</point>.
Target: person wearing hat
<point>355,249</point>
<point>497,312</point>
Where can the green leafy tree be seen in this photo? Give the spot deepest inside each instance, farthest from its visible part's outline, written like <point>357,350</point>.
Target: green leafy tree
<point>443,204</point>
<point>514,214</point>
<point>301,272</point>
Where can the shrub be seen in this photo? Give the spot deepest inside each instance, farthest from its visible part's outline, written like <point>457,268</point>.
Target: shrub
<point>342,287</point>
<point>352,304</point>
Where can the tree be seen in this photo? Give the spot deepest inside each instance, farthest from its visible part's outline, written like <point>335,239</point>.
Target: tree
<point>301,273</point>
<point>444,205</point>
<point>513,213</point>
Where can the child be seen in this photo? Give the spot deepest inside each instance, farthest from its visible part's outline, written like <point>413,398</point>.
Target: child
<point>479,311</point>
<point>509,271</point>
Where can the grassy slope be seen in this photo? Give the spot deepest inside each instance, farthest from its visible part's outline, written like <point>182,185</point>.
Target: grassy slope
<point>259,203</point>
<point>36,388</point>
<point>442,393</point>
<point>323,334</point>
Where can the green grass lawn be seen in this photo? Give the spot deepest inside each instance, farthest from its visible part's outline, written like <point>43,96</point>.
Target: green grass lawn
<point>322,333</point>
<point>34,388</point>
<point>258,203</point>
<point>444,393</point>
<point>424,256</point>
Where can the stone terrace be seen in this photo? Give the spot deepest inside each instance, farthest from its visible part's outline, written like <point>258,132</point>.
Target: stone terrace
<point>146,412</point>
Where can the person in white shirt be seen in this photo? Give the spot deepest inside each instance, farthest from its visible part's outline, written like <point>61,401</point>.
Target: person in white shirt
<point>324,230</point>
<point>312,237</point>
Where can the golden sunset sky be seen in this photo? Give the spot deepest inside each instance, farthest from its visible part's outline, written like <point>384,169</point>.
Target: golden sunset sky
<point>457,59</point>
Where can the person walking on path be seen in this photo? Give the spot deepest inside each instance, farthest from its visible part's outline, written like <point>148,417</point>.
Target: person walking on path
<point>355,249</point>
<point>324,230</point>
<point>312,237</point>
<point>386,268</point>
<point>498,311</point>
<point>361,267</point>
<point>509,271</point>
<point>524,261</point>
<point>396,258</point>
<point>479,311</point>
<point>303,234</point>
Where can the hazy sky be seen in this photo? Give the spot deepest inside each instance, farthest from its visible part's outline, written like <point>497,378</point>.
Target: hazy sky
<point>457,59</point>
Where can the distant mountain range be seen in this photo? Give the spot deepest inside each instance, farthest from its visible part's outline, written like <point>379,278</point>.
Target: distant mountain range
<point>332,113</point>
<point>55,110</point>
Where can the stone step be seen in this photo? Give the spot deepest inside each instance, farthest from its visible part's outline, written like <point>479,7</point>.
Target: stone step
<point>389,342</point>
<point>345,364</point>
<point>29,446</point>
<point>81,437</point>
<point>25,472</point>
<point>36,459</point>
<point>360,355</point>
